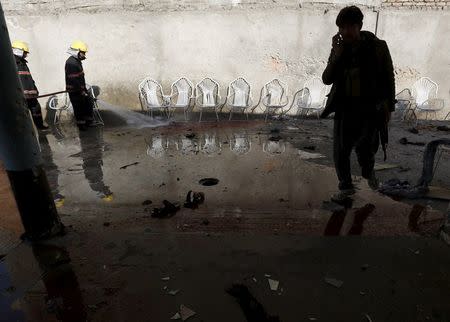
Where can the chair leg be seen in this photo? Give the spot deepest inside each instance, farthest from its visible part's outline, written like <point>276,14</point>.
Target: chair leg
<point>217,115</point>
<point>267,114</point>
<point>231,114</point>
<point>54,118</point>
<point>446,116</point>
<point>201,112</point>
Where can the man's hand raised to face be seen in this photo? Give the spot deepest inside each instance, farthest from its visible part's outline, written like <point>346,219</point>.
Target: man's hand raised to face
<point>338,45</point>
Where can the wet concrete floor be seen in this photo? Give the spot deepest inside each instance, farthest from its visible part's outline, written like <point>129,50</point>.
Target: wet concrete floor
<point>264,216</point>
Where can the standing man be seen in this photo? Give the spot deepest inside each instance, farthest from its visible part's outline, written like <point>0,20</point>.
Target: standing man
<point>30,91</point>
<point>362,97</point>
<point>76,85</point>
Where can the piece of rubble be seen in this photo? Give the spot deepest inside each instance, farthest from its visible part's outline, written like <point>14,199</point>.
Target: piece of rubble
<point>368,318</point>
<point>186,312</point>
<point>334,282</point>
<point>173,292</point>
<point>273,284</point>
<point>177,316</point>
<point>165,278</point>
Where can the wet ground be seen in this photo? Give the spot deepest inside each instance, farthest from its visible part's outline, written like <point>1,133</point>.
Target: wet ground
<point>264,216</point>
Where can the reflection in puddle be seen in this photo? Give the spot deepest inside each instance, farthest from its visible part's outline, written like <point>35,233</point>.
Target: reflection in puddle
<point>211,144</point>
<point>92,147</point>
<point>240,144</point>
<point>22,298</point>
<point>274,147</point>
<point>156,148</point>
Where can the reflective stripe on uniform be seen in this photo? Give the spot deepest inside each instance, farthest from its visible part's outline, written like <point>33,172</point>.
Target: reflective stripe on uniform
<point>75,75</point>
<point>24,73</point>
<point>32,91</point>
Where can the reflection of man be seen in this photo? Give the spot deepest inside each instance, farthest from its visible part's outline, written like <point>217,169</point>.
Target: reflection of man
<point>362,97</point>
<point>51,169</point>
<point>30,91</point>
<point>92,146</point>
<point>64,298</point>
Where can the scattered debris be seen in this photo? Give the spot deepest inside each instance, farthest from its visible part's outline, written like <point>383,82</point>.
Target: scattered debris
<point>165,278</point>
<point>273,284</point>
<point>312,318</point>
<point>304,155</point>
<point>186,312</point>
<point>267,275</point>
<point>209,181</point>
<point>167,211</point>
<point>413,130</point>
<point>310,147</point>
<point>173,292</point>
<point>385,166</point>
<point>129,165</point>
<point>252,309</point>
<point>177,316</point>
<point>405,141</point>
<point>254,280</point>
<point>194,199</point>
<point>147,202</point>
<point>334,282</point>
<point>292,128</point>
<point>368,318</point>
<point>443,128</point>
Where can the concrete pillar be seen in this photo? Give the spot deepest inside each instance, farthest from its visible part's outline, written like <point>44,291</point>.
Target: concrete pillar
<point>19,150</point>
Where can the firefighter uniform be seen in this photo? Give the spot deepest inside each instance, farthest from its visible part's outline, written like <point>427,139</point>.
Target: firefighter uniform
<point>30,91</point>
<point>76,85</point>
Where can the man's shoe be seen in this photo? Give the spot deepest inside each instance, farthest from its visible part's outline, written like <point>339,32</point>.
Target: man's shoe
<point>373,182</point>
<point>342,195</point>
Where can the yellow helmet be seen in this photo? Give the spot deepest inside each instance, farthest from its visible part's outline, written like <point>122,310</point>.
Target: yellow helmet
<point>18,44</point>
<point>79,45</point>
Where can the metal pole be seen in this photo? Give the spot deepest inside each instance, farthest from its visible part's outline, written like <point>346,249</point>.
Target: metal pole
<point>20,153</point>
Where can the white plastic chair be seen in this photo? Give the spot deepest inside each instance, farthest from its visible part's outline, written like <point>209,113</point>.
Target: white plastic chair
<point>403,110</point>
<point>240,144</point>
<point>181,96</point>
<point>208,96</point>
<point>151,96</point>
<point>424,91</point>
<point>239,96</point>
<point>300,101</point>
<point>274,96</point>
<point>316,98</point>
<point>59,105</point>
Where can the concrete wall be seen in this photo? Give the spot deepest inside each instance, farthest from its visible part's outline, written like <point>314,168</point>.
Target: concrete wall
<point>130,40</point>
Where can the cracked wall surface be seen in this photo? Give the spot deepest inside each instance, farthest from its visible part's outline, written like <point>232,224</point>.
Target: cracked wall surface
<point>224,39</point>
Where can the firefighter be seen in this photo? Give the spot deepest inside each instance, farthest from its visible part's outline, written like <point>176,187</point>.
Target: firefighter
<point>30,91</point>
<point>76,85</point>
